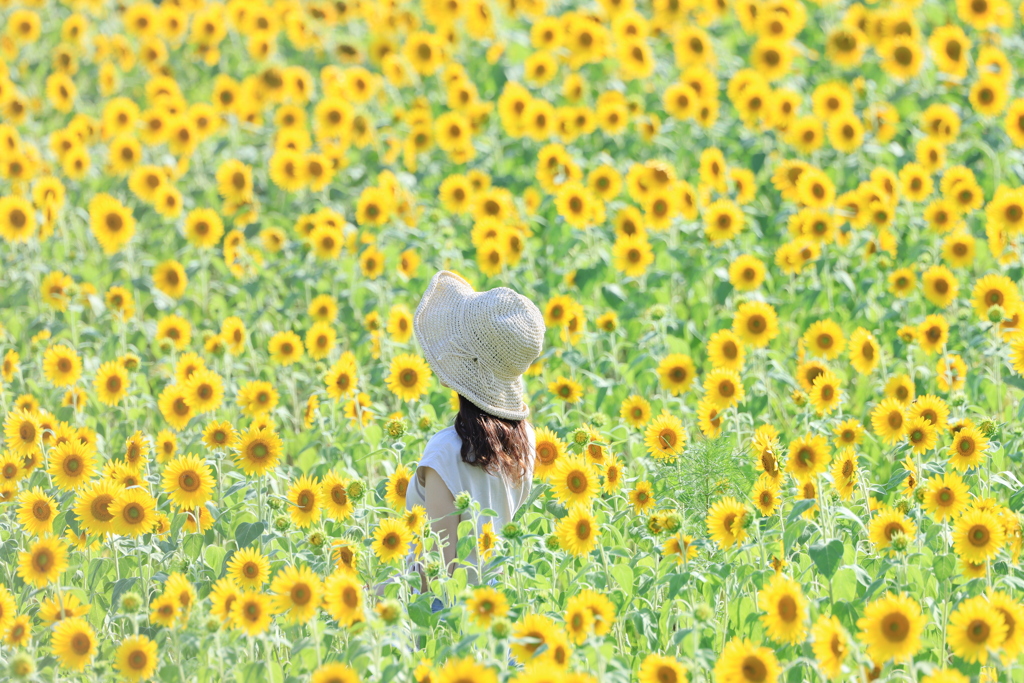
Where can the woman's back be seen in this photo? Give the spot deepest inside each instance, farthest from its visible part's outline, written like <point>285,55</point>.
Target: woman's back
<point>493,491</point>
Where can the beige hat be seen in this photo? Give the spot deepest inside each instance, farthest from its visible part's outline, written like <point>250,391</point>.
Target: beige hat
<point>480,343</point>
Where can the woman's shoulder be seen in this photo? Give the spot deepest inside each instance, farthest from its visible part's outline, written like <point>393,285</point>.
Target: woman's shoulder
<point>443,443</point>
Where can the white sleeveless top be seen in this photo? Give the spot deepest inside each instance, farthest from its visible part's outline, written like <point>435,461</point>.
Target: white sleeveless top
<point>443,453</point>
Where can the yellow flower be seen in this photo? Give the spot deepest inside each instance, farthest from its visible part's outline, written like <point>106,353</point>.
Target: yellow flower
<point>676,372</point>
<point>408,377</point>
<point>398,484</point>
<point>726,522</point>
<point>566,389</point>
<point>785,610</point>
<point>577,532</point>
<point>252,613</point>
<point>62,366</point>
<point>975,627</point>
<point>249,568</point>
<point>978,535</point>
<point>743,662</point>
<point>44,562</point>
<point>661,669</point>
<point>891,628</point>
<point>136,658</point>
<point>391,540</point>
<point>306,496</point>
<point>574,480</point>
<point>297,593</point>
<point>188,481</point>
<point>831,645</point>
<point>343,598</point>
<point>486,604</point>
<point>74,642</point>
<point>134,512</point>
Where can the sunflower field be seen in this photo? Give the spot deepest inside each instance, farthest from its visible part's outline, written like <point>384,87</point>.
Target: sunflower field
<point>778,248</point>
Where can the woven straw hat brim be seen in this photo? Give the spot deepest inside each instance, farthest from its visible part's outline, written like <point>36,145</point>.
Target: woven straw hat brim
<point>438,327</point>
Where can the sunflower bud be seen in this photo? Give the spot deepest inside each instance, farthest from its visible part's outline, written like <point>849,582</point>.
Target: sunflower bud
<point>919,495</point>
<point>551,542</point>
<point>511,531</point>
<point>22,666</point>
<point>655,523</point>
<point>395,427</point>
<point>903,505</point>
<point>657,311</point>
<point>316,539</point>
<point>275,503</point>
<point>996,314</point>
<point>131,602</point>
<point>673,521</point>
<point>799,397</point>
<point>282,523</point>
<point>703,612</point>
<point>425,422</point>
<point>390,611</point>
<point>432,570</point>
<point>501,628</point>
<point>462,501</point>
<point>356,489</point>
<point>899,541</point>
<point>599,420</point>
<point>580,436</point>
<point>211,624</point>
<point>988,427</point>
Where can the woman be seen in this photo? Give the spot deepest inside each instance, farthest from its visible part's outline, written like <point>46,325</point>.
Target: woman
<point>479,344</point>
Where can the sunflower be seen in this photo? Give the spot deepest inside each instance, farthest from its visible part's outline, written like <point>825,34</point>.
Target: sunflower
<point>889,421</point>
<point>665,437</point>
<point>62,366</point>
<point>577,532</point>
<point>723,387</point>
<point>865,352</point>
<point>676,372</point>
<point>723,220</point>
<point>36,511</point>
<point>808,456</point>
<point>566,389</point>
<point>285,348</point>
<point>335,673</point>
<point>975,627</point>
<point>709,418</point>
<point>725,350</point>
<point>23,432</point>
<point>111,383</point>
<point>635,411</point>
<point>297,593</point>
<point>632,255</point>
<point>891,627</point>
<point>743,662</point>
<point>756,323</point>
<point>831,645</point>
<point>398,484</point>
<point>575,480</point>
<point>994,290</point>
<point>74,643</point>
<point>175,329</point>
<point>252,613</point>
<point>336,500</point>
<point>170,278</point>
<point>902,56</point>
<point>1013,614</point>
<point>391,540</point>
<point>134,512</point>
<point>661,669</point>
<point>234,181</point>
<point>71,465</point>
<point>826,393</point>
<point>978,535</point>
<point>785,610</point>
<point>188,481</point>
<point>343,598</point>
<point>887,523</point>
<point>44,562</point>
<point>92,506</point>
<point>136,658</point>
<point>765,496</point>
<point>408,377</point>
<point>258,451</point>
<point>248,568</point>
<point>968,448</point>
<point>532,633</point>
<point>164,610</point>
<point>306,496</point>
<point>17,219</point>
<point>726,522</point>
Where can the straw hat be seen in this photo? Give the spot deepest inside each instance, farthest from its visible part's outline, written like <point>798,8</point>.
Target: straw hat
<point>480,343</point>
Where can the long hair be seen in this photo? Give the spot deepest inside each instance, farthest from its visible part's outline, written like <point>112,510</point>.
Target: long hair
<point>493,443</point>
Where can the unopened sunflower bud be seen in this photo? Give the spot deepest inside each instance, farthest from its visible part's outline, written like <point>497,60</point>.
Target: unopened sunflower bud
<point>899,542</point>
<point>511,531</point>
<point>799,397</point>
<point>996,314</point>
<point>316,539</point>
<point>903,505</point>
<point>395,427</point>
<point>131,602</point>
<point>703,612</point>
<point>551,542</point>
<point>432,570</point>
<point>462,501</point>
<point>356,489</point>
<point>282,523</point>
<point>22,666</point>
<point>501,628</point>
<point>988,428</point>
<point>425,422</point>
<point>919,495</point>
<point>211,624</point>
<point>275,504</point>
<point>580,436</point>
<point>657,311</point>
<point>390,611</point>
<point>672,521</point>
<point>599,420</point>
<point>654,524</point>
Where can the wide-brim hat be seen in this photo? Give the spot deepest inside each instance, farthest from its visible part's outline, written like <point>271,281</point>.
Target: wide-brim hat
<point>480,343</point>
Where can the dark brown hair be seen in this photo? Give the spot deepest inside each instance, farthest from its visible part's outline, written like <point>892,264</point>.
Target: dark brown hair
<point>493,443</point>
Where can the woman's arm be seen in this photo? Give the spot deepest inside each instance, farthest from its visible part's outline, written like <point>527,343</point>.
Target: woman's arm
<point>440,504</point>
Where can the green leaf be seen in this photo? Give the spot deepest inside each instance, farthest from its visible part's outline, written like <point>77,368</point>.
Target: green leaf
<point>248,532</point>
<point>827,556</point>
<point>623,576</point>
<point>193,545</point>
